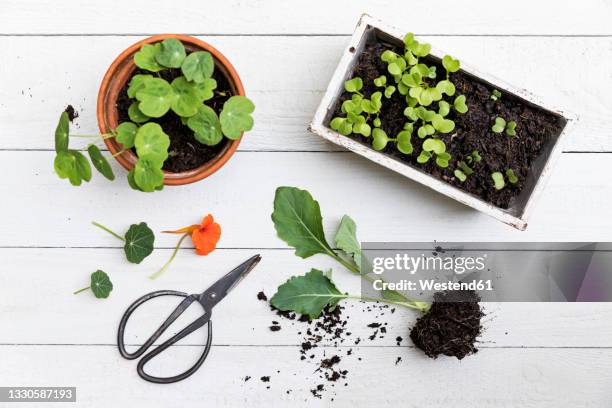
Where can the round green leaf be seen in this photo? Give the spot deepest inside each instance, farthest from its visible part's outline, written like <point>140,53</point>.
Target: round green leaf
<point>446,87</point>
<point>136,83</point>
<point>499,126</point>
<point>100,284</point>
<point>131,181</point>
<point>145,58</point>
<point>139,240</point>
<point>126,133</point>
<point>442,125</point>
<point>336,123</point>
<point>236,116</point>
<point>443,108</point>
<point>511,176</point>
<point>171,54</point>
<point>62,133</point>
<point>460,105</point>
<point>353,85</point>
<point>450,64</point>
<point>424,157</point>
<point>434,145</point>
<point>185,103</point>
<point>205,90</point>
<point>152,144</point>
<point>498,180</point>
<point>148,175</point>
<point>206,126</point>
<point>135,114</point>
<point>156,97</point>
<point>460,175</point>
<point>198,66</point>
<point>65,167</point>
<point>379,139</point>
<point>82,165</point>
<point>403,142</point>
<point>100,162</point>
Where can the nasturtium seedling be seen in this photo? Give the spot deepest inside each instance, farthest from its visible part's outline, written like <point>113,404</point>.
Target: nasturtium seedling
<point>198,66</point>
<point>151,97</point>
<point>353,85</point>
<point>511,176</point>
<point>126,133</point>
<point>145,57</point>
<point>498,180</point>
<point>171,53</point>
<point>206,126</point>
<point>152,143</point>
<point>155,97</point>
<point>136,115</point>
<point>511,128</point>
<point>100,285</point>
<point>499,125</point>
<point>236,116</point>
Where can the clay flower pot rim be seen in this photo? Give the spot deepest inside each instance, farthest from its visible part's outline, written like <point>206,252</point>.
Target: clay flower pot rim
<point>115,79</point>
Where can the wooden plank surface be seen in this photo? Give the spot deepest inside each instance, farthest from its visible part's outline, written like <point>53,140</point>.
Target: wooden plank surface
<point>288,91</point>
<point>574,206</point>
<point>549,378</point>
<point>565,17</point>
<point>50,308</point>
<point>531,355</point>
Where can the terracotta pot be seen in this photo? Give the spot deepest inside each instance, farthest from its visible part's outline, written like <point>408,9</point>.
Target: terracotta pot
<point>120,72</point>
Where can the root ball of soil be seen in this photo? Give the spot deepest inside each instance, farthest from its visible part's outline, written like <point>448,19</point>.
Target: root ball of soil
<point>451,326</point>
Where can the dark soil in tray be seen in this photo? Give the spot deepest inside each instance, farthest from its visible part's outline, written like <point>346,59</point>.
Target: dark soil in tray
<point>185,152</point>
<point>535,127</point>
<point>451,326</point>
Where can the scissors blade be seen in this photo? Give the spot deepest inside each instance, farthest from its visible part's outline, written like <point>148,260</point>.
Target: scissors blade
<point>214,294</point>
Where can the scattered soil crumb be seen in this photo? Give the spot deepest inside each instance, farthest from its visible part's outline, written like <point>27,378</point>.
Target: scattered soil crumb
<point>247,378</point>
<point>262,296</point>
<point>265,378</point>
<point>72,113</point>
<point>398,360</point>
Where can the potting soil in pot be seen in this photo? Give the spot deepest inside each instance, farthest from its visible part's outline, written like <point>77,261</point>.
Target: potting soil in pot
<point>499,152</point>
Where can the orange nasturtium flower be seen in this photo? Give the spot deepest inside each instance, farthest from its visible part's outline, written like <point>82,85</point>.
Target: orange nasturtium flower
<point>204,237</point>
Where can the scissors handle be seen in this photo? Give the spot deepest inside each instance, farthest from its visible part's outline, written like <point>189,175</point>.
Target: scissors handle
<point>195,325</point>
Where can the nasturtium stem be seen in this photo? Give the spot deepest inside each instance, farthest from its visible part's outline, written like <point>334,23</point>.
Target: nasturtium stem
<point>167,264</point>
<point>101,136</point>
<point>113,233</point>
<point>81,290</point>
<point>119,153</point>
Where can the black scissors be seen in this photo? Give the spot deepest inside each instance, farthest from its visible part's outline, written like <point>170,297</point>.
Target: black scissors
<point>207,299</point>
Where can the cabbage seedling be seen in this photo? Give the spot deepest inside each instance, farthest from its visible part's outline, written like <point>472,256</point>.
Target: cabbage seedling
<point>500,125</point>
<point>496,95</point>
<point>511,176</point>
<point>437,148</point>
<point>498,180</point>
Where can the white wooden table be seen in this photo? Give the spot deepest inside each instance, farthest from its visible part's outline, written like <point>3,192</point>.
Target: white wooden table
<point>55,52</point>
